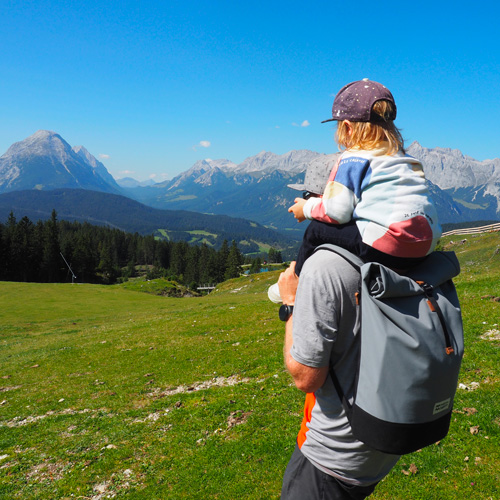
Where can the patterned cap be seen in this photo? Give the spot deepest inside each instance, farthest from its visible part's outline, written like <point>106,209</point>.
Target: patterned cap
<point>317,174</point>
<point>355,101</point>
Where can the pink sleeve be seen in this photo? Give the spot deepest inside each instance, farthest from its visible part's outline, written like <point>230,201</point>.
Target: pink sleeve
<point>315,209</point>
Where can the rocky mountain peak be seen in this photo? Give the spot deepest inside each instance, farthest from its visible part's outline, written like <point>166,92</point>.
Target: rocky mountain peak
<point>90,159</point>
<point>294,161</point>
<point>96,165</point>
<point>41,142</point>
<point>45,160</point>
<point>451,169</point>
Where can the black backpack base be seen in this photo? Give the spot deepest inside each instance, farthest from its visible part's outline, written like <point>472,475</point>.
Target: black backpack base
<point>396,438</point>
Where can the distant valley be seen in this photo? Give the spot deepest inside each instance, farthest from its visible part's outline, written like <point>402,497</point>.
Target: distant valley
<point>128,215</point>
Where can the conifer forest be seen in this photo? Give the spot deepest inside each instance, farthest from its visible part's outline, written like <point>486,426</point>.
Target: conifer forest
<point>61,251</point>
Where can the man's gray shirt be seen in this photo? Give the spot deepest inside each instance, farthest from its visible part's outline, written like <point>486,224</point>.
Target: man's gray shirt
<point>325,333</point>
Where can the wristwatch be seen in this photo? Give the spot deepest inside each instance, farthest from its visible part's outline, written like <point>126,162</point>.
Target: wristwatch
<point>285,312</point>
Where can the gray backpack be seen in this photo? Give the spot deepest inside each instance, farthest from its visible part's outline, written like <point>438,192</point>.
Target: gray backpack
<point>410,353</point>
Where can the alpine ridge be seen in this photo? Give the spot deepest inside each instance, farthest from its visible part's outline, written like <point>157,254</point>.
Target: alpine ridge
<point>463,189</point>
<point>451,169</point>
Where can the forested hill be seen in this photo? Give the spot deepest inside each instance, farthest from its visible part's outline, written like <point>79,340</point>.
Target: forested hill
<point>128,215</point>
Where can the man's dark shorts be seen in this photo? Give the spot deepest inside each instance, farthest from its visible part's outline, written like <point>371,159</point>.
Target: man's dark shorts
<point>304,481</point>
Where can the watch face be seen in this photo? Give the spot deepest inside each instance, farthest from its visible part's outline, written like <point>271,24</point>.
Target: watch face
<point>285,312</point>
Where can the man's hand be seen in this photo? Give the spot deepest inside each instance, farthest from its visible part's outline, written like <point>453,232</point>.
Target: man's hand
<point>287,283</point>
<point>298,209</point>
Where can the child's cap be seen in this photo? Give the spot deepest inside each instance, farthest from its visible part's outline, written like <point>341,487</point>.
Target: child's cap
<point>355,102</point>
<point>317,174</point>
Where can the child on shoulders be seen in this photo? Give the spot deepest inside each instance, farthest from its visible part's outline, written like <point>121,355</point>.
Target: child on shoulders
<point>376,202</point>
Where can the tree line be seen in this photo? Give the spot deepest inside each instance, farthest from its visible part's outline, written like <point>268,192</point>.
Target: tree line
<point>47,251</point>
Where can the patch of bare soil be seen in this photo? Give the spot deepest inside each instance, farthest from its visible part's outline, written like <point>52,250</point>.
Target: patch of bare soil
<point>198,386</point>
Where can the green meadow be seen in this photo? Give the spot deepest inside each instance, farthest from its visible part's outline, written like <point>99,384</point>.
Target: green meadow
<point>109,392</point>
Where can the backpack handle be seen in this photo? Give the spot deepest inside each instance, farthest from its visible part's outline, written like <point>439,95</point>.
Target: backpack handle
<point>434,307</point>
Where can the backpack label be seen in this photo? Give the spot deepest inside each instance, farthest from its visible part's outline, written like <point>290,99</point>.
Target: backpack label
<point>441,406</point>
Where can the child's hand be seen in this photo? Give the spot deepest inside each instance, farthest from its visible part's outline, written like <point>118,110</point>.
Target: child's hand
<point>298,209</point>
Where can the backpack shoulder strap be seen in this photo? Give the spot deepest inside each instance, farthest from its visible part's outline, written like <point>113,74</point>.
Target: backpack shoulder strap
<point>354,260</point>
<point>357,263</point>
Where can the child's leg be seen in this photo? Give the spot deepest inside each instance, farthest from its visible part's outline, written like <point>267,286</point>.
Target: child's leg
<point>344,235</point>
<point>317,233</point>
<point>347,236</point>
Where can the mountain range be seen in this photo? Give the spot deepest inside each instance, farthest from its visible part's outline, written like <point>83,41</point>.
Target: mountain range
<point>463,188</point>
<point>256,189</point>
<point>44,172</point>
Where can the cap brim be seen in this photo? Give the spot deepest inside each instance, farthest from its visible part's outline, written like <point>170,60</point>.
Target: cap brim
<point>298,187</point>
<point>330,120</point>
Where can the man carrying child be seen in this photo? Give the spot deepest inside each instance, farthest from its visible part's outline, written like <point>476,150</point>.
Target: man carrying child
<point>375,204</point>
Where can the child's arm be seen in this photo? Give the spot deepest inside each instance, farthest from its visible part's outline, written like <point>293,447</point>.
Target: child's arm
<point>303,210</point>
<point>335,207</point>
<point>342,192</point>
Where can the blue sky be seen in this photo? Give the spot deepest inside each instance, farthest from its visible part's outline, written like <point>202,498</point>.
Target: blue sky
<point>151,87</point>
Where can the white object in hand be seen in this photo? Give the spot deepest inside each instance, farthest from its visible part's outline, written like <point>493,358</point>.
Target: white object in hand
<point>273,293</point>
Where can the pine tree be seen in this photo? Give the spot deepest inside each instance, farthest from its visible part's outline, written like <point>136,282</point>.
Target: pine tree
<point>206,264</point>
<point>178,259</point>
<point>256,266</point>
<point>270,254</point>
<point>221,262</point>
<point>29,256</point>
<point>278,258</point>
<point>9,265</point>
<point>51,261</point>
<point>234,262</point>
<point>163,254</point>
<point>148,250</point>
<point>192,271</point>
<point>274,256</point>
<point>3,253</point>
<point>108,265</point>
<point>85,258</point>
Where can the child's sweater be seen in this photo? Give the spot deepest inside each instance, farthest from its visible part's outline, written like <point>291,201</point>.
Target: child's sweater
<point>387,197</point>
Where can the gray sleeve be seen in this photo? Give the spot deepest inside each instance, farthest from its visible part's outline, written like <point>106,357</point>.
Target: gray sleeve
<point>316,311</point>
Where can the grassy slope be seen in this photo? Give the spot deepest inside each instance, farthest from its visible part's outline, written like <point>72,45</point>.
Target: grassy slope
<point>100,394</point>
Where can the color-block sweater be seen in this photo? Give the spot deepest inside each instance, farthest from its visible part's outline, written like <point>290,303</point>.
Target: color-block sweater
<point>387,197</point>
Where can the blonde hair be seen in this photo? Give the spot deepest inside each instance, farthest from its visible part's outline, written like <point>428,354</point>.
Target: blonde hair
<point>372,135</point>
